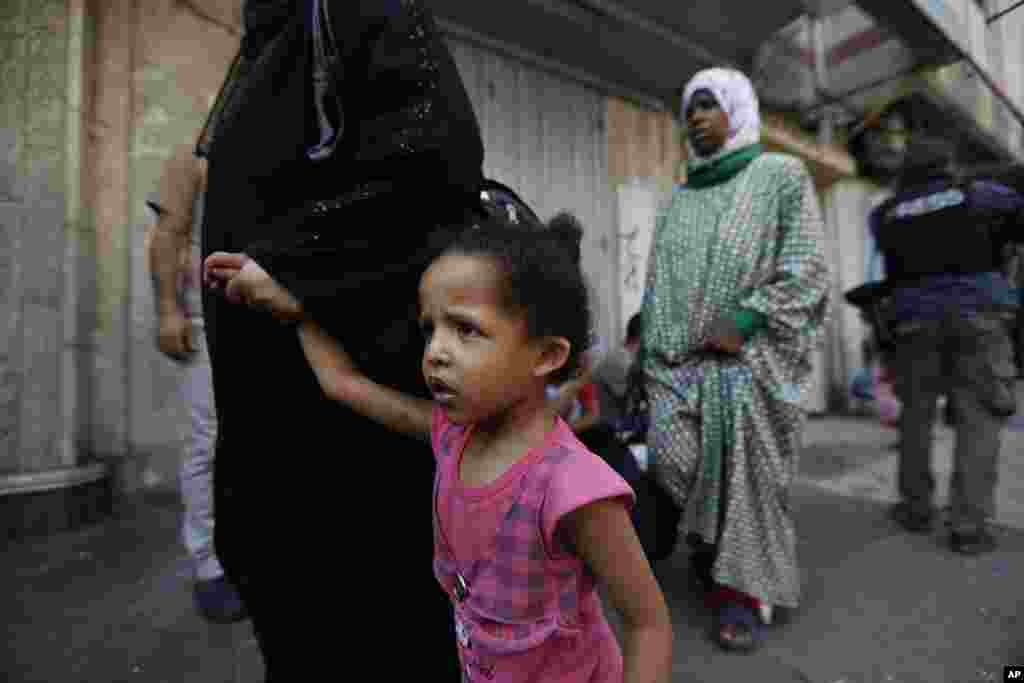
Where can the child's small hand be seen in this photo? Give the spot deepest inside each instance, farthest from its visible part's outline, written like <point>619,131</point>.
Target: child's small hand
<point>244,281</point>
<point>254,286</point>
<point>221,267</point>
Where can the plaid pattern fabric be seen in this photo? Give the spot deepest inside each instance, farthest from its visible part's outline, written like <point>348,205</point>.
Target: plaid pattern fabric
<point>725,432</point>
<point>519,595</point>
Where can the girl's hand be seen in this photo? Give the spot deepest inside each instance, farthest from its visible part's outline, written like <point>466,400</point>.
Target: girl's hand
<point>220,267</point>
<point>244,281</point>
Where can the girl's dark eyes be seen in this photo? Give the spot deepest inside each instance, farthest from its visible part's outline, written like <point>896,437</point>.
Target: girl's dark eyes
<point>462,328</point>
<point>466,329</point>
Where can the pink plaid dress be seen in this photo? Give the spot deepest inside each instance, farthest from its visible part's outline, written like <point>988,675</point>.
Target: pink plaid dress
<point>526,608</point>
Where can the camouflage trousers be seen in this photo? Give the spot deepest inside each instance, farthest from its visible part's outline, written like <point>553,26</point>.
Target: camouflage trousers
<point>967,357</point>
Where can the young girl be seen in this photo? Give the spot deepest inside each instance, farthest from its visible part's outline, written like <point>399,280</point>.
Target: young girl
<point>527,521</point>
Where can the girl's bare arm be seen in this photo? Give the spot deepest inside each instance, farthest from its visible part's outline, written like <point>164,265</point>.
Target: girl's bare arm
<point>342,381</point>
<point>604,537</point>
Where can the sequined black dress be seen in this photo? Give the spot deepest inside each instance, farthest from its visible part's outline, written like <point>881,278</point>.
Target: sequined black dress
<point>323,517</point>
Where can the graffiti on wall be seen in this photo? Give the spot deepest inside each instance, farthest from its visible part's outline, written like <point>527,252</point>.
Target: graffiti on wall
<point>638,202</point>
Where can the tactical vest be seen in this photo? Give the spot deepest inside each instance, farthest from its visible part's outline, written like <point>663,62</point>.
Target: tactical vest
<point>935,232</point>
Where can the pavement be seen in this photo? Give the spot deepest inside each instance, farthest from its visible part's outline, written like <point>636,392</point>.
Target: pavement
<point>112,603</point>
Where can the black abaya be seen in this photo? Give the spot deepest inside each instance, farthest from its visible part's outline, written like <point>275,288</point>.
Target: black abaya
<point>323,517</point>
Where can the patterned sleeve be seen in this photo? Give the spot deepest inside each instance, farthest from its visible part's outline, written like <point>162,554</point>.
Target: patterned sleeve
<point>582,479</point>
<point>795,298</point>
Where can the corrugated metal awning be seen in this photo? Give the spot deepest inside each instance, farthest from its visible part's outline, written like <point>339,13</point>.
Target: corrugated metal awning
<point>643,49</point>
<point>954,33</point>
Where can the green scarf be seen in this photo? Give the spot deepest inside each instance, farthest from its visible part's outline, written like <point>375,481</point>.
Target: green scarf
<point>723,169</point>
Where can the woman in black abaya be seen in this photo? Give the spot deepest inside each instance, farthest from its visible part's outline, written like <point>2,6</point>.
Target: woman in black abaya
<point>340,195</point>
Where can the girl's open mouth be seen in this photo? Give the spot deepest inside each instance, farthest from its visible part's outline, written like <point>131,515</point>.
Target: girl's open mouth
<point>442,392</point>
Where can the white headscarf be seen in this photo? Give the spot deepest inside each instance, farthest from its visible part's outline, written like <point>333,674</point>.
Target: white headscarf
<point>735,95</point>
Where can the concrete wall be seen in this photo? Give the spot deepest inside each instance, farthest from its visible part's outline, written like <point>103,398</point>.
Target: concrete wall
<point>157,68</point>
<point>645,161</point>
<point>1007,54</point>
<point>94,94</point>
<point>544,136</point>
<point>846,205</point>
<point>37,239</point>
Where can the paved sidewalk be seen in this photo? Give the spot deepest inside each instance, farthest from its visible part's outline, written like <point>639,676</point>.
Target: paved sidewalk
<point>112,603</point>
<point>859,458</point>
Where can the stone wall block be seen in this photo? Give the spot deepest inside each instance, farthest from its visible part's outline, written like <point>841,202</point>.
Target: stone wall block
<point>10,233</point>
<point>158,410</point>
<point>39,420</point>
<point>12,15</point>
<point>13,86</point>
<point>48,15</point>
<point>43,169</point>
<point>87,284</point>
<point>10,388</point>
<point>11,332</point>
<point>46,45</point>
<point>13,77</point>
<point>45,95</point>
<point>10,180</point>
<point>43,248</point>
<point>108,407</point>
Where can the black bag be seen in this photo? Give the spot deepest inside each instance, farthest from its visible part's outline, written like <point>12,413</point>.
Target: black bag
<point>872,299</point>
<point>655,517</point>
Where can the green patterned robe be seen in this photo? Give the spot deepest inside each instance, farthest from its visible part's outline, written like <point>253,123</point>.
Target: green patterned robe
<point>725,430</point>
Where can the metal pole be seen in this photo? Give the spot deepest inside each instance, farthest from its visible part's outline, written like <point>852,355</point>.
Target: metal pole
<point>821,77</point>
<point>999,15</point>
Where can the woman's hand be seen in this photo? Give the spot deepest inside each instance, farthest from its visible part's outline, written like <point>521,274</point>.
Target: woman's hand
<point>725,338</point>
<point>244,281</point>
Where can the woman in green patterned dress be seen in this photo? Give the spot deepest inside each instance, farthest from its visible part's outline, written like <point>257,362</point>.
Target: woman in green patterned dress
<point>736,300</point>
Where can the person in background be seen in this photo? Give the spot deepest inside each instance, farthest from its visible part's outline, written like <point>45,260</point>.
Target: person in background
<point>173,253</point>
<point>735,303</point>
<point>615,379</point>
<point>949,311</point>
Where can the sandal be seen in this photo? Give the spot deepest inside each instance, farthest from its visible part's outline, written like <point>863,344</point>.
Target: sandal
<point>738,628</point>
